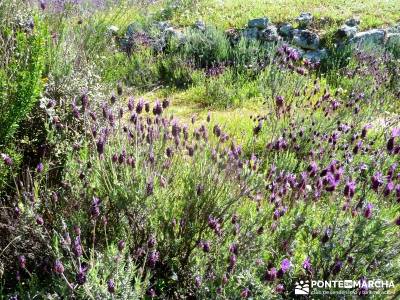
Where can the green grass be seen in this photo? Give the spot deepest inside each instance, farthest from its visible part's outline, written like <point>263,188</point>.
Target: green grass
<point>236,13</point>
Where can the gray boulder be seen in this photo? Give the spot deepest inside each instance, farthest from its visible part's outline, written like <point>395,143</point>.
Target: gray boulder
<point>306,39</point>
<point>315,55</point>
<point>200,25</point>
<point>347,31</point>
<point>373,36</point>
<point>269,34</point>
<point>286,29</point>
<point>113,30</point>
<point>259,23</point>
<point>250,33</point>
<point>304,19</point>
<point>353,22</point>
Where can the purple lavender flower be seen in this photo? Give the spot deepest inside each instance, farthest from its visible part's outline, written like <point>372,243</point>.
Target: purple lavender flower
<point>368,211</point>
<point>151,293</point>
<point>95,209</point>
<point>39,168</point>
<point>197,281</point>
<point>81,276</point>
<point>279,101</point>
<point>139,106</point>
<point>280,288</point>
<point>58,267</point>
<point>22,261</point>
<point>111,286</point>
<point>153,258</point>
<point>388,189</point>
<point>121,245</point>
<point>77,247</point>
<point>307,264</point>
<point>337,267</point>
<point>245,293</point>
<point>271,274</point>
<point>158,109</point>
<point>349,189</point>
<point>39,220</point>
<point>151,241</point>
<point>6,159</point>
<point>286,265</point>
<point>376,181</point>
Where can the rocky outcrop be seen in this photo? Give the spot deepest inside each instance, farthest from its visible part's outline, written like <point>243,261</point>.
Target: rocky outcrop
<point>305,19</point>
<point>306,39</point>
<point>259,23</point>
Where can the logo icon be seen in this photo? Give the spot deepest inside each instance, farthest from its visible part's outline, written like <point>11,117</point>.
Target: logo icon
<point>302,287</point>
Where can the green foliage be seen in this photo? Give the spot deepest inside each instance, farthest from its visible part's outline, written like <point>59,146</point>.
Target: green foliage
<point>21,78</point>
<point>205,48</point>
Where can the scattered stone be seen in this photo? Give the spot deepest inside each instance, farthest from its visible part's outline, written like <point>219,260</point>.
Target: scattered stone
<point>306,39</point>
<point>347,31</point>
<point>250,33</point>
<point>259,23</point>
<point>373,36</point>
<point>286,29</point>
<point>304,19</point>
<point>113,30</point>
<point>162,26</point>
<point>353,22</point>
<point>200,25</point>
<point>315,55</point>
<point>269,34</point>
<point>133,29</point>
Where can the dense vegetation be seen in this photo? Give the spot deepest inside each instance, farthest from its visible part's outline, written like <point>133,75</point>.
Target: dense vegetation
<point>143,162</point>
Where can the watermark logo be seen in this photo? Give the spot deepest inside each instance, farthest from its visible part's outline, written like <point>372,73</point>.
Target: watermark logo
<point>302,287</point>
<point>344,287</point>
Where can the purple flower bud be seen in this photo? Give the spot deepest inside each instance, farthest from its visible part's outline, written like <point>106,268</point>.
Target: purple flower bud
<point>271,274</point>
<point>376,181</point>
<point>245,293</point>
<point>139,106</point>
<point>206,246</point>
<point>152,241</point>
<point>22,262</point>
<point>111,286</point>
<point>286,265</point>
<point>280,288</point>
<point>119,88</point>
<point>153,258</point>
<point>84,101</point>
<point>77,247</point>
<point>337,267</point>
<point>307,264</point>
<point>368,211</point>
<point>39,220</point>
<point>151,293</point>
<point>58,267</point>
<point>279,101</point>
<point>165,103</point>
<point>158,109</point>
<point>39,168</point>
<point>81,276</point>
<point>388,189</point>
<point>197,281</point>
<point>121,245</point>
<point>6,159</point>
<point>349,189</point>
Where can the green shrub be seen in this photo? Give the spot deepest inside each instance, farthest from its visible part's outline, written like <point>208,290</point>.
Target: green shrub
<point>205,48</point>
<point>20,78</point>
